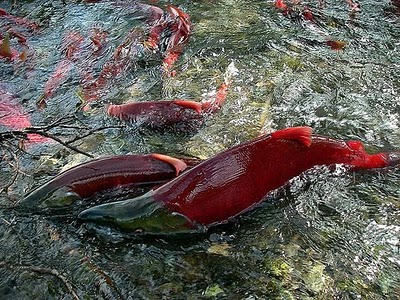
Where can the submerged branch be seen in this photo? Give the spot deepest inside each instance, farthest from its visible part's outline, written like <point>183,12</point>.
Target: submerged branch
<point>65,131</point>
<point>91,132</point>
<point>58,140</point>
<point>46,271</point>
<point>59,126</point>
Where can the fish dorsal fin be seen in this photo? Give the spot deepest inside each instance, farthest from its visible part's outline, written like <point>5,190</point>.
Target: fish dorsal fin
<point>189,104</point>
<point>178,164</point>
<point>356,145</point>
<point>301,134</point>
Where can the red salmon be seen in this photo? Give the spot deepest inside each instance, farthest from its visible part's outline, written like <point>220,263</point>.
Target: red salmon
<point>98,175</point>
<point>163,114</point>
<point>13,116</point>
<point>233,181</point>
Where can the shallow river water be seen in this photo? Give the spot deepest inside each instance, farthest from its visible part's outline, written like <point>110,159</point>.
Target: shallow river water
<point>327,235</point>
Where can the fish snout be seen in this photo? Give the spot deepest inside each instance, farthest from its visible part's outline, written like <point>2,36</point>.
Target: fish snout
<point>139,215</point>
<point>120,211</point>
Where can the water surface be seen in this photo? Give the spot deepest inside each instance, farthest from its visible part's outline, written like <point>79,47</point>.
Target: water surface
<point>328,235</point>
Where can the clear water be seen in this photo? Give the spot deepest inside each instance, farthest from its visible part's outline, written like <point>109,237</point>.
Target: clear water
<point>327,236</point>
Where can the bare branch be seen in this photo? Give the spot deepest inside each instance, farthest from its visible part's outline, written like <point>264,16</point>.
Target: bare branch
<point>47,271</point>
<point>58,140</point>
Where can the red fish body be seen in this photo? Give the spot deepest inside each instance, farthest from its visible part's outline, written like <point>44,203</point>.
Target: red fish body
<point>163,114</point>
<point>60,73</point>
<point>157,114</point>
<point>18,20</point>
<point>13,116</point>
<point>280,4</point>
<point>72,47</point>
<point>233,181</point>
<point>181,29</point>
<point>155,18</point>
<point>124,56</point>
<point>95,176</point>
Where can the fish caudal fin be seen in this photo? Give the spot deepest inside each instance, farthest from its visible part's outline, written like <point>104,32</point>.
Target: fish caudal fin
<point>5,48</point>
<point>178,164</point>
<point>301,134</point>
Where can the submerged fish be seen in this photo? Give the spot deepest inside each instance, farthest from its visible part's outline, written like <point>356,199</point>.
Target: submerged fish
<point>176,114</point>
<point>233,181</point>
<point>72,47</point>
<point>172,30</point>
<point>18,20</point>
<point>336,44</point>
<point>99,175</point>
<point>180,29</point>
<point>13,116</point>
<point>124,56</point>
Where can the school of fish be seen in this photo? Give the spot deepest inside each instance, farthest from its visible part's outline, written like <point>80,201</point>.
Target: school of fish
<point>183,194</point>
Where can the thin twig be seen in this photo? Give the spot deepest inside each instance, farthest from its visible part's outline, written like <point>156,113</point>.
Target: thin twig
<point>14,167</point>
<point>53,137</point>
<point>91,132</point>
<point>56,274</point>
<point>56,123</point>
<point>48,271</point>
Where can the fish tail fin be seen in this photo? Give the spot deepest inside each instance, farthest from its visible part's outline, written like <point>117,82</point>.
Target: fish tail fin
<point>374,161</point>
<point>393,159</point>
<point>220,96</point>
<point>301,134</point>
<point>381,160</point>
<point>5,48</point>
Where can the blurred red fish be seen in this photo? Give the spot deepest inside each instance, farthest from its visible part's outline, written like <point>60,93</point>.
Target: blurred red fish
<point>18,20</point>
<point>295,9</point>
<point>180,115</point>
<point>177,25</point>
<point>13,116</point>
<point>181,29</point>
<point>72,47</point>
<point>121,60</point>
<point>280,4</point>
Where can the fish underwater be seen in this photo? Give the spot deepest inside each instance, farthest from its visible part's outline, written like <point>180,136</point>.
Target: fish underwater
<point>104,174</point>
<point>181,115</point>
<point>232,182</point>
<point>14,117</point>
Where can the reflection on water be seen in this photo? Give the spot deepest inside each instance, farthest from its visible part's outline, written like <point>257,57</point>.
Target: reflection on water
<point>329,234</point>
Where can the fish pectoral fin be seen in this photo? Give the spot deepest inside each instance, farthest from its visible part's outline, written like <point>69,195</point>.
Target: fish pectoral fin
<point>178,164</point>
<point>301,134</point>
